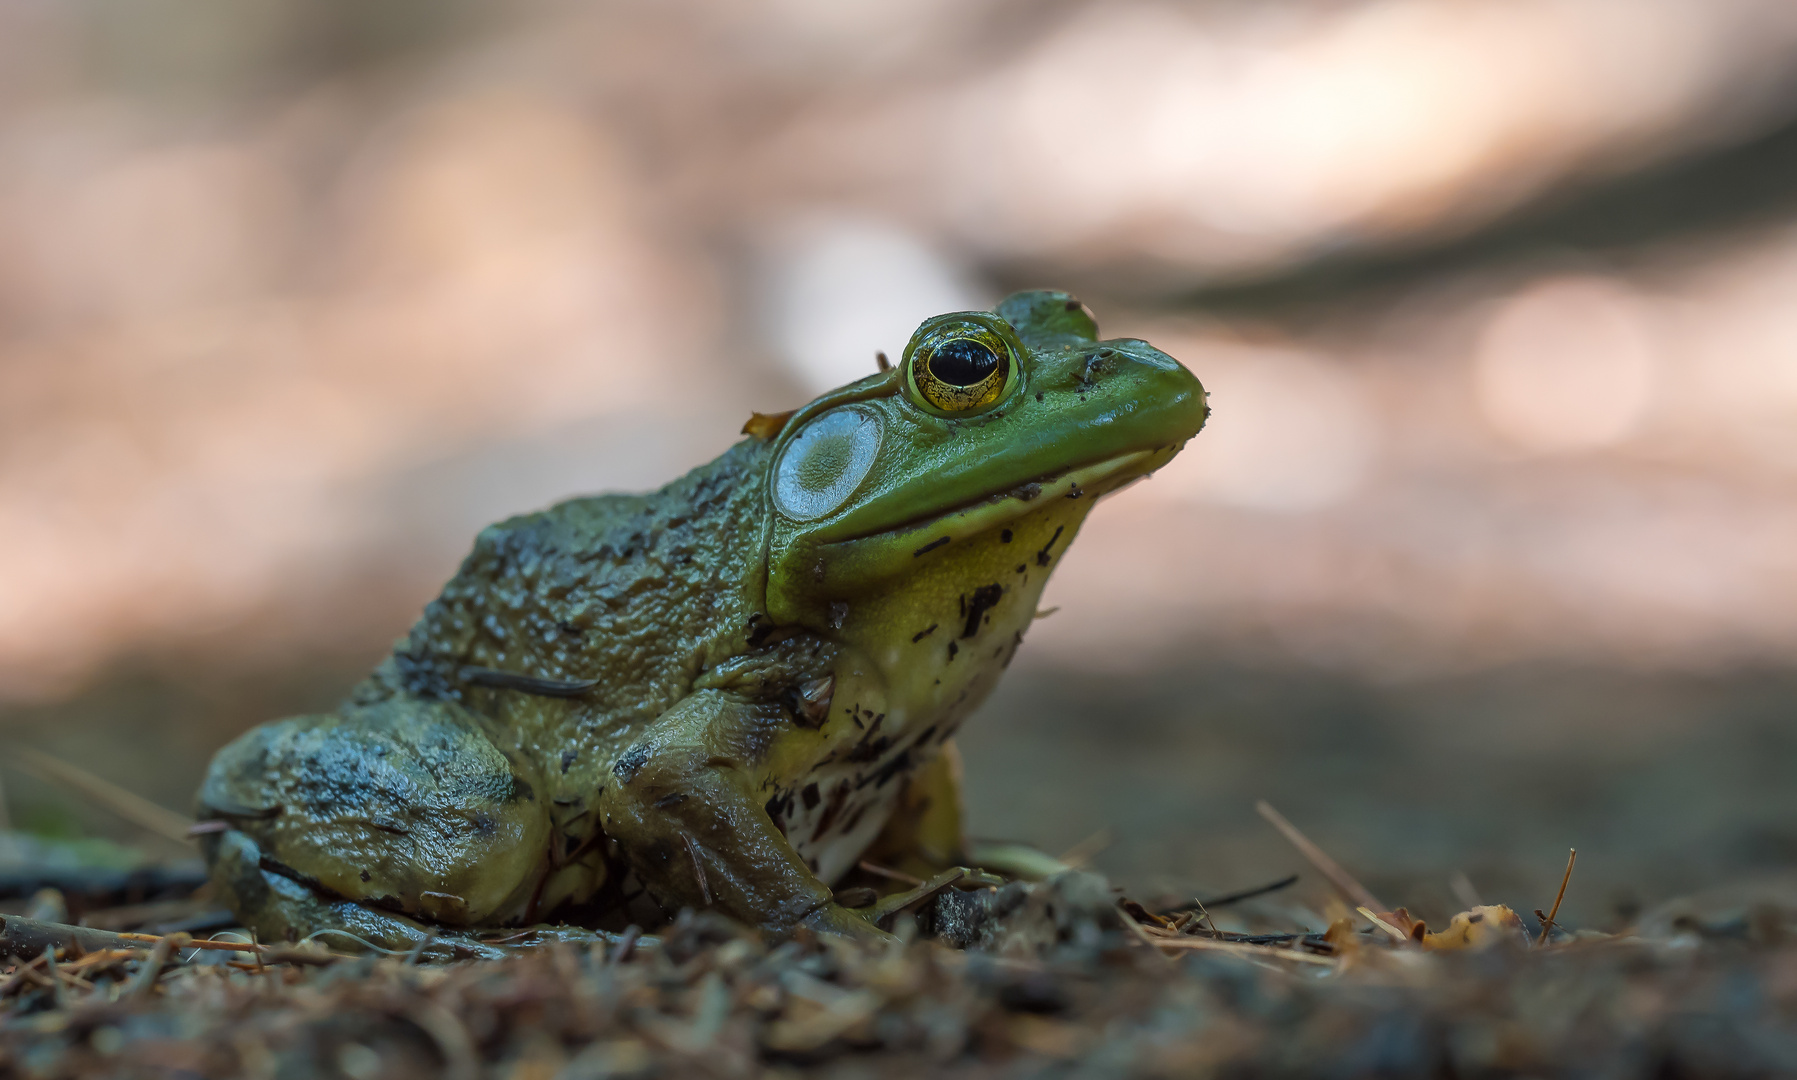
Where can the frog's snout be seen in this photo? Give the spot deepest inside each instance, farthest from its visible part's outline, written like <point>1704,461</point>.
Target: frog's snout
<point>1188,404</point>
<point>1169,404</point>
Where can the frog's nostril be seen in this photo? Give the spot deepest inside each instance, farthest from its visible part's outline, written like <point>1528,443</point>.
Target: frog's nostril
<point>1102,362</point>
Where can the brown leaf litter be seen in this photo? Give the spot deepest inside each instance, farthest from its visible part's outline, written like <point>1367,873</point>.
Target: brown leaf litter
<point>1058,978</point>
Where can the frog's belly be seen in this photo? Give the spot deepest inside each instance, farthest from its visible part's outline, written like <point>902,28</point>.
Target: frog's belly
<point>835,814</point>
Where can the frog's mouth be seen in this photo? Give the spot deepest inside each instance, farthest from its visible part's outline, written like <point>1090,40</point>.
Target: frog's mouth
<point>1092,481</point>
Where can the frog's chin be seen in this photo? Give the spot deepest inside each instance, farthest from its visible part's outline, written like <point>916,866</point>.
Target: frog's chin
<point>1091,481</point>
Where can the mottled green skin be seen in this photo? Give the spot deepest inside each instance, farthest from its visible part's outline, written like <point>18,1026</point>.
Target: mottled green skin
<point>765,690</point>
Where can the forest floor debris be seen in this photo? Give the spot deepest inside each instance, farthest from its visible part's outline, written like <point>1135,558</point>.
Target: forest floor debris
<point>1061,978</point>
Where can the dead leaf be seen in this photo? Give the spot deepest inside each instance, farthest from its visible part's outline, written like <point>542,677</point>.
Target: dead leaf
<point>1479,929</point>
<point>767,426</point>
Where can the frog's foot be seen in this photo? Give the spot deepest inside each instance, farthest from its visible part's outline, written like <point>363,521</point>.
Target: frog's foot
<point>375,824</point>
<point>292,912</point>
<point>281,909</point>
<point>888,907</point>
<point>856,924</point>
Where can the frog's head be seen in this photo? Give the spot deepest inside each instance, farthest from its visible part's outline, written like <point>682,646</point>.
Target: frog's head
<point>990,422</point>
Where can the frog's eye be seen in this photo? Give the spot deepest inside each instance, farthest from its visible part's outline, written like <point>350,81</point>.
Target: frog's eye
<point>966,370</point>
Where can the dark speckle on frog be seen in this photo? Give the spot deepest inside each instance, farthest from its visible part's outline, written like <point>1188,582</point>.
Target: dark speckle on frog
<point>623,704</point>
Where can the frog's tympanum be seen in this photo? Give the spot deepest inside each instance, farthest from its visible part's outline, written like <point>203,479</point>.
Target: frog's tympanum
<point>725,694</point>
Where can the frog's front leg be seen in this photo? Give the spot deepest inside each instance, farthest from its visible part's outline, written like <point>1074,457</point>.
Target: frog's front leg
<point>374,822</point>
<point>682,805</point>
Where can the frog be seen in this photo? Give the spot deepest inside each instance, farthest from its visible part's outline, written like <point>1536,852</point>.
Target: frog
<point>730,694</point>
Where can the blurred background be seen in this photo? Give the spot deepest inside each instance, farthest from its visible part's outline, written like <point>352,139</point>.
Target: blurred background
<point>1490,549</point>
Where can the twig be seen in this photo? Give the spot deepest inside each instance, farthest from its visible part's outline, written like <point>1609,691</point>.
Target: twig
<point>424,943</point>
<point>1141,933</point>
<point>1547,924</point>
<point>152,968</point>
<point>1356,893</point>
<point>1205,915</point>
<point>1083,852</point>
<point>25,973</point>
<point>127,804</point>
<point>887,872</point>
<point>208,943</point>
<point>1241,949</point>
<point>1319,941</point>
<point>626,943</point>
<point>1246,894</point>
<point>102,959</point>
<point>57,993</point>
<point>890,906</point>
<point>67,976</point>
<point>24,938</point>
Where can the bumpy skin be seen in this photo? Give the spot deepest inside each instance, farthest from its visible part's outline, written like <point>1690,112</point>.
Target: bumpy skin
<point>720,694</point>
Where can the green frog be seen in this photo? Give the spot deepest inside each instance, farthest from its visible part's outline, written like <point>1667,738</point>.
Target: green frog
<point>726,694</point>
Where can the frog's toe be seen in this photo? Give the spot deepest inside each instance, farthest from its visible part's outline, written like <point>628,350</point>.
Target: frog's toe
<point>238,880</point>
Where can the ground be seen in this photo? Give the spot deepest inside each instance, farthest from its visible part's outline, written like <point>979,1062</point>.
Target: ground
<point>1056,979</point>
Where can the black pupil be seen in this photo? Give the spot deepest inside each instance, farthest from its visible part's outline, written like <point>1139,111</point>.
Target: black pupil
<point>963,362</point>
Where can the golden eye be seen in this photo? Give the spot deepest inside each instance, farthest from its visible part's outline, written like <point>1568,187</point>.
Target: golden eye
<point>961,373</point>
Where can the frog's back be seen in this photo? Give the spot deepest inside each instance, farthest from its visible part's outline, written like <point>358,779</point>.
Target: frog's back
<point>637,593</point>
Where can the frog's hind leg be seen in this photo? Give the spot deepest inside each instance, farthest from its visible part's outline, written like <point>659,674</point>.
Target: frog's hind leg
<point>924,834</point>
<point>375,823</point>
